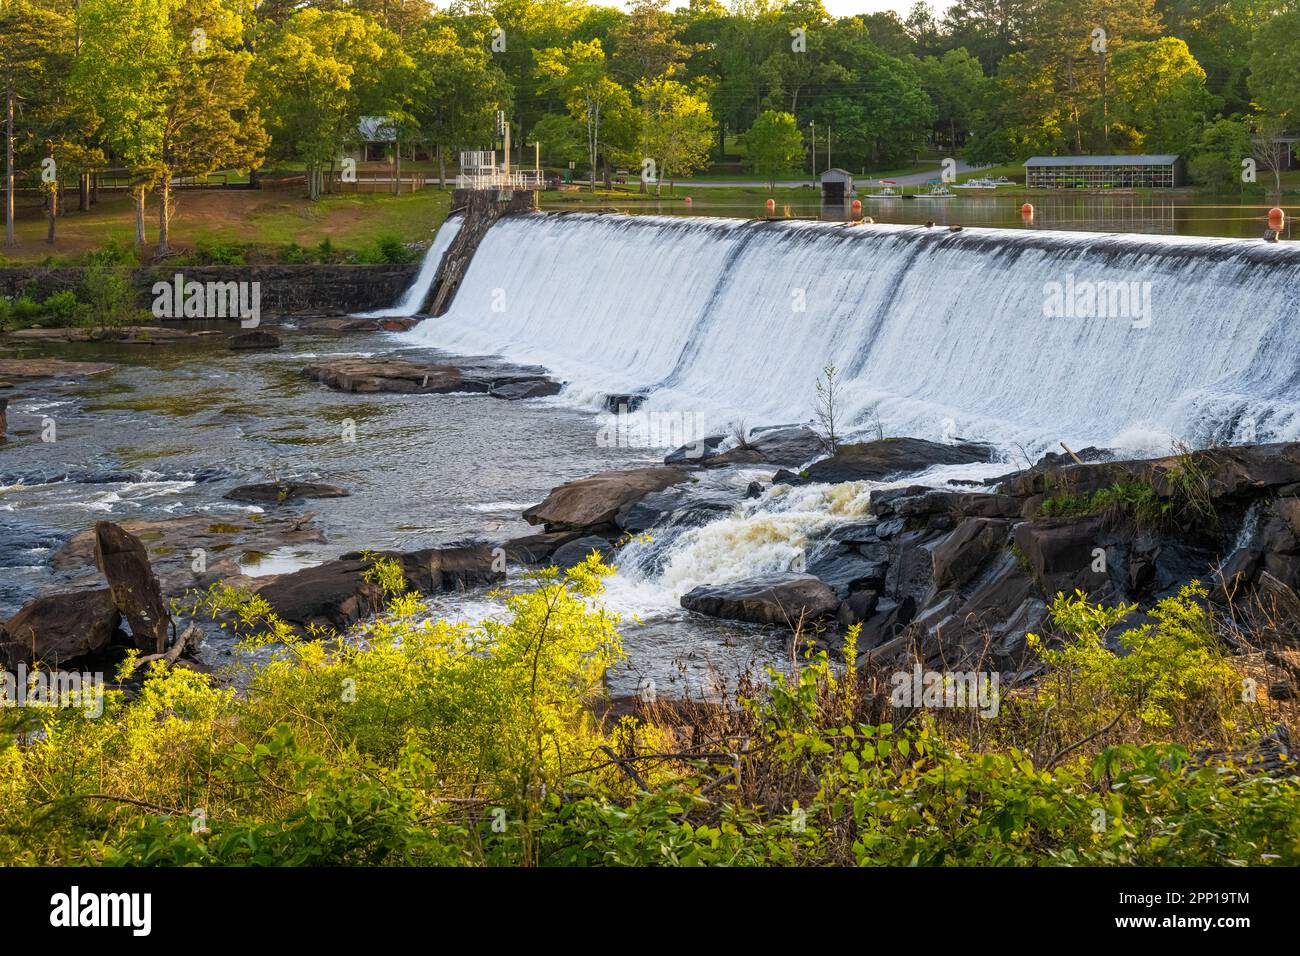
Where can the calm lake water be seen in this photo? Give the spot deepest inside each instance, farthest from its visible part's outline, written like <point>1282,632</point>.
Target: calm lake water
<point>1186,216</point>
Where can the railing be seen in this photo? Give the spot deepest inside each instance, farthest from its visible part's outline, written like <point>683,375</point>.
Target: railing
<point>498,179</point>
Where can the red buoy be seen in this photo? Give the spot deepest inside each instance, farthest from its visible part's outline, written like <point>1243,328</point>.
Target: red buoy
<point>688,200</point>
<point>771,205</point>
<point>1027,209</point>
<point>1276,218</point>
<point>857,207</point>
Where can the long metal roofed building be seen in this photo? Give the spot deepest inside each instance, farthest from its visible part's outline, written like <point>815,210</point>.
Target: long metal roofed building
<point>1103,172</point>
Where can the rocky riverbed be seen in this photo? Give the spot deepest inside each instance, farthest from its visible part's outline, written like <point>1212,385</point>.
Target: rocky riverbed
<point>257,466</point>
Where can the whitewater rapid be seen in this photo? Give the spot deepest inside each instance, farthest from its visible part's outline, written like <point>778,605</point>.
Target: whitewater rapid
<point>935,333</point>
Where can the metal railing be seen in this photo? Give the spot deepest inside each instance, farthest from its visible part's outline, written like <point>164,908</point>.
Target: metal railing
<point>499,179</point>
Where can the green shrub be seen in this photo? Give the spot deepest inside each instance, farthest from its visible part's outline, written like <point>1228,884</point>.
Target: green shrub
<point>218,252</point>
<point>108,298</point>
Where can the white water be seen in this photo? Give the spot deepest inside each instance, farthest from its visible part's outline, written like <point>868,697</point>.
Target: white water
<point>935,333</point>
<point>415,296</point>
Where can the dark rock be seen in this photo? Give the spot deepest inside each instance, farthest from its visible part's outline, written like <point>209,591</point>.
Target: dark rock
<point>891,458</point>
<point>1061,553</point>
<point>596,501</point>
<point>623,403</point>
<point>857,607</point>
<point>279,493</point>
<point>60,628</point>
<point>4,418</point>
<point>517,391</point>
<point>754,489</point>
<point>537,548</point>
<point>959,556</point>
<point>780,598</point>
<point>125,563</point>
<point>911,566</point>
<point>255,339</point>
<point>693,453</point>
<point>575,552</point>
<point>680,505</point>
<point>887,623</point>
<point>1236,573</point>
<point>337,595</point>
<point>846,570</point>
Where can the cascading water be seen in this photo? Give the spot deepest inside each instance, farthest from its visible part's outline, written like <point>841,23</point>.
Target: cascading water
<point>414,298</point>
<point>934,332</point>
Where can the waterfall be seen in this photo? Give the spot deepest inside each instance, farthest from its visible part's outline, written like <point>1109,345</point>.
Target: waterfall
<point>1021,338</point>
<point>414,298</point>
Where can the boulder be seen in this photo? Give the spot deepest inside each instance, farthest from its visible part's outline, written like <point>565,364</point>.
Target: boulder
<point>359,323</point>
<point>283,492</point>
<point>575,552</point>
<point>368,375</point>
<point>255,339</point>
<point>1061,553</point>
<point>124,561</point>
<point>49,368</point>
<point>780,598</point>
<point>959,556</point>
<point>857,607</point>
<point>532,388</point>
<point>846,569</point>
<point>537,548</point>
<point>4,418</point>
<point>679,505</point>
<point>596,501</point>
<point>60,628</point>
<point>337,595</point>
<point>891,458</point>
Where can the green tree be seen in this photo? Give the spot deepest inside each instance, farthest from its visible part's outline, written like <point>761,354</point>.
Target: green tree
<point>454,89</point>
<point>774,144</point>
<point>319,74</point>
<point>1162,101</point>
<point>677,128</point>
<point>580,75</point>
<point>1218,154</point>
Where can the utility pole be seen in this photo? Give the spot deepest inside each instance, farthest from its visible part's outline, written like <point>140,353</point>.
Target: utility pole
<point>813,128</point>
<point>828,148</point>
<point>9,162</point>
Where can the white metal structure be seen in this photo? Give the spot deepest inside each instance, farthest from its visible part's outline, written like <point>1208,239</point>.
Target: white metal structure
<point>479,170</point>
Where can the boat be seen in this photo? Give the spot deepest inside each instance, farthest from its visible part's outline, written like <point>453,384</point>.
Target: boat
<point>936,192</point>
<point>887,190</point>
<point>982,182</point>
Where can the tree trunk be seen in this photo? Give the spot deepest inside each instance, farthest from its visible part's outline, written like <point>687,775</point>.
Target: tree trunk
<point>164,212</point>
<point>9,164</point>
<point>397,167</point>
<point>442,168</point>
<point>94,188</point>
<point>83,192</point>
<point>52,211</point>
<point>139,215</point>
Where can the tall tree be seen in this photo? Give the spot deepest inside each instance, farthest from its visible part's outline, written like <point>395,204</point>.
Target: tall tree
<point>580,74</point>
<point>31,39</point>
<point>677,128</point>
<point>774,145</point>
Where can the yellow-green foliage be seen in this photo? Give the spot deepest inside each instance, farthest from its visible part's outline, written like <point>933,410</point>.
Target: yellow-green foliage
<point>441,715</point>
<point>1172,676</point>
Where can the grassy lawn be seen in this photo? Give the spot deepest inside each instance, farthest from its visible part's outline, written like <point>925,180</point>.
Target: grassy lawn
<point>744,202</point>
<point>272,217</point>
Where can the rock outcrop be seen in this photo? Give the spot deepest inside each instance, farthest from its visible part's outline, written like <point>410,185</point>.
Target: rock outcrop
<point>595,502</point>
<point>783,598</point>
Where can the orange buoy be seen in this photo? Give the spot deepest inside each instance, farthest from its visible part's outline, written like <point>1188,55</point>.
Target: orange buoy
<point>688,200</point>
<point>1027,209</point>
<point>1276,218</point>
<point>857,207</point>
<point>771,205</point>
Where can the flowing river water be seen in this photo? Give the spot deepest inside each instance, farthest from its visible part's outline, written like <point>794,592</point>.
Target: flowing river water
<point>937,334</point>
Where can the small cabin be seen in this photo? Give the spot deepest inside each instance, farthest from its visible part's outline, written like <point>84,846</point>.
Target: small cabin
<point>837,186</point>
